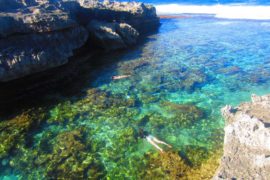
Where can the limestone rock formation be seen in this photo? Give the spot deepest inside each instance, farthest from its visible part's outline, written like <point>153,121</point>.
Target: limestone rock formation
<point>112,35</point>
<point>34,20</point>
<point>31,53</point>
<point>247,141</point>
<point>37,35</point>
<point>36,38</point>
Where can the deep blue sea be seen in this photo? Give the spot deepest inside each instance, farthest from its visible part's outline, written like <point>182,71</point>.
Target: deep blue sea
<point>179,79</point>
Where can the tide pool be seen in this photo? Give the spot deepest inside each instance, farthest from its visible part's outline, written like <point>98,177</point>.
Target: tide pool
<point>179,80</point>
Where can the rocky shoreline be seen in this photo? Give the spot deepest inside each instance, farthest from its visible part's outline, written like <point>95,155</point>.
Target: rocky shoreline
<point>40,35</point>
<point>246,141</point>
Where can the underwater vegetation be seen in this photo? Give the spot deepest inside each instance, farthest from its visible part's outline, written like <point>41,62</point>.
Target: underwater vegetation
<point>176,84</point>
<point>14,132</point>
<point>95,137</point>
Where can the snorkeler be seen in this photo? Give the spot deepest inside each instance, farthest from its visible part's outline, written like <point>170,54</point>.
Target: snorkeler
<point>120,77</point>
<point>152,140</point>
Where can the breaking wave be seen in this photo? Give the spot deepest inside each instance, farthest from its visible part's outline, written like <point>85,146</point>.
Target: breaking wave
<point>236,11</point>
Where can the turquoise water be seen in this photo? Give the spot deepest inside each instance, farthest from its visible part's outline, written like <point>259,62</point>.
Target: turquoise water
<point>179,79</point>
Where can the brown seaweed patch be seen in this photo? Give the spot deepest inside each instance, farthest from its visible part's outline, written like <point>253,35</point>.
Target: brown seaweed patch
<point>195,155</point>
<point>208,167</point>
<point>65,156</point>
<point>95,103</point>
<point>13,132</point>
<point>168,165</point>
<point>70,158</point>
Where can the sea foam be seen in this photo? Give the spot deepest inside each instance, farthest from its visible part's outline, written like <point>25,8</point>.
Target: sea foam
<point>220,11</point>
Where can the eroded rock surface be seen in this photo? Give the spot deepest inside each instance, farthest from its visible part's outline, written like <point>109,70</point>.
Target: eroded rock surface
<point>247,140</point>
<point>112,35</point>
<point>32,53</point>
<point>37,35</point>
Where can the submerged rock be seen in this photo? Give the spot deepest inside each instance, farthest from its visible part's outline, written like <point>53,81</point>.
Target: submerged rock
<point>183,115</point>
<point>247,141</point>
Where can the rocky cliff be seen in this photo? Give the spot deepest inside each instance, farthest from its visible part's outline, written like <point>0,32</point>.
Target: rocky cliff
<point>36,35</point>
<point>247,140</point>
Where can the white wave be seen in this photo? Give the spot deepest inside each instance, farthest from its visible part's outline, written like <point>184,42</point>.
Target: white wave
<point>219,11</point>
<point>224,23</point>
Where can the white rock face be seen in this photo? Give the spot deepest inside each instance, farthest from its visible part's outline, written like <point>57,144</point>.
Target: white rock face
<point>247,141</point>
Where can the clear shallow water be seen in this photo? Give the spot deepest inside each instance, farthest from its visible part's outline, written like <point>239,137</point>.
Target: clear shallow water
<point>179,80</point>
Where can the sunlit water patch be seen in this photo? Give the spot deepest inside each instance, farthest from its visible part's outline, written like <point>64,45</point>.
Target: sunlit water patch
<point>178,81</point>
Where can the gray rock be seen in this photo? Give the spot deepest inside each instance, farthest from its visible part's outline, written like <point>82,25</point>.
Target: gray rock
<point>247,141</point>
<point>33,20</point>
<point>27,54</point>
<point>36,38</point>
<point>140,16</point>
<point>112,36</point>
<point>36,35</point>
<point>104,35</point>
<point>127,33</point>
<point>11,5</point>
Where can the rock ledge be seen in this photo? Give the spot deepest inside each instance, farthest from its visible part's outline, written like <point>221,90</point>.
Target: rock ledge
<point>37,35</point>
<point>247,140</point>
